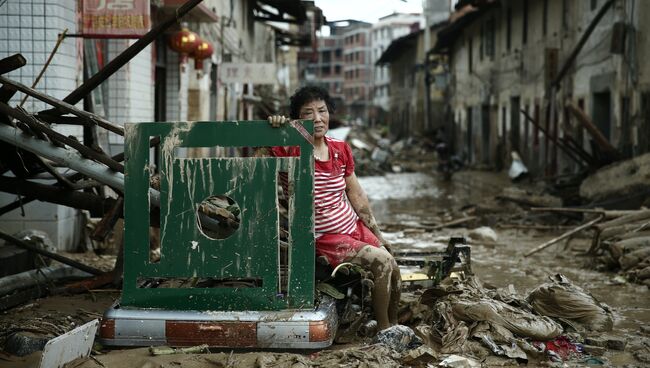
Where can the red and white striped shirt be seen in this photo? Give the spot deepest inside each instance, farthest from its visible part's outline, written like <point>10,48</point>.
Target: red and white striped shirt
<point>333,212</point>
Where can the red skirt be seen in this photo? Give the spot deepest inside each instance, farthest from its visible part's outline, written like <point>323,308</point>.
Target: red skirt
<point>339,248</point>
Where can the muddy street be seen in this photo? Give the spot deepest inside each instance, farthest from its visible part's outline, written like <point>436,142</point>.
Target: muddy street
<point>502,264</point>
<point>406,205</point>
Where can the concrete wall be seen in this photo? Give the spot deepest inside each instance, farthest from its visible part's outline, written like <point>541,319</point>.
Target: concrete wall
<point>408,92</point>
<point>383,32</point>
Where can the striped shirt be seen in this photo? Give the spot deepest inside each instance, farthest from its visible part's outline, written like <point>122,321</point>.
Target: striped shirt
<point>333,212</point>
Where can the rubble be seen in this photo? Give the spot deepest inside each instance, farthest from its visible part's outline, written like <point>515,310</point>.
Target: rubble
<point>567,302</point>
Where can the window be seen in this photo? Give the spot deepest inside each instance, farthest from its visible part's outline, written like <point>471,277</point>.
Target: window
<point>327,56</point>
<point>337,69</point>
<point>508,29</point>
<point>524,33</point>
<point>594,4</point>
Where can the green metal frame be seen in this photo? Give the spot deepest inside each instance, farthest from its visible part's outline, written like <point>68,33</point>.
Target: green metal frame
<point>252,251</point>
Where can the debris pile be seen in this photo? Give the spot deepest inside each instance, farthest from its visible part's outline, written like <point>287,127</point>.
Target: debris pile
<point>491,325</point>
<point>374,154</point>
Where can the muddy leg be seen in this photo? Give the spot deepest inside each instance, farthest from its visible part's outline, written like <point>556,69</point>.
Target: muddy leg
<point>395,292</point>
<point>378,261</point>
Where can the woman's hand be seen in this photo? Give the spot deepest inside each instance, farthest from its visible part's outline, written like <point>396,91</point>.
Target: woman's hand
<point>277,121</point>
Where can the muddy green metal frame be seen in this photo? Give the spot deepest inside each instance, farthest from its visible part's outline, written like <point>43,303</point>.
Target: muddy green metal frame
<point>252,251</point>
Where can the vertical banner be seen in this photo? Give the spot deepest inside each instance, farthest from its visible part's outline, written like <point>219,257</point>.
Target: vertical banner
<point>115,18</point>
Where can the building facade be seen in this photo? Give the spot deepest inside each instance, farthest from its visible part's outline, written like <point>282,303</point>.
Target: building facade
<point>505,56</point>
<point>387,29</point>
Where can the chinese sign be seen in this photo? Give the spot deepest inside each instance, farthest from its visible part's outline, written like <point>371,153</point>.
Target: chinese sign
<point>115,18</point>
<point>256,73</point>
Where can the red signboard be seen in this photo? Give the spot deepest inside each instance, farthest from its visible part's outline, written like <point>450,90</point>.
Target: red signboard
<point>115,18</point>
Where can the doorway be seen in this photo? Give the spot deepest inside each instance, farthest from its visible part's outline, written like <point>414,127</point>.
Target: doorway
<point>602,112</point>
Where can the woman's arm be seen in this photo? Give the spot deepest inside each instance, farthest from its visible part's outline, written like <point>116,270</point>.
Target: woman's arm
<point>359,201</point>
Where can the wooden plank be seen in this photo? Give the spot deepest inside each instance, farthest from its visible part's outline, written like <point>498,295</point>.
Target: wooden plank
<point>64,106</point>
<point>45,253</point>
<point>563,236</point>
<point>41,128</point>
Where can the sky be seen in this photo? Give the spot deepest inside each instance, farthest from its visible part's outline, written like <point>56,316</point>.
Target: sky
<point>366,10</point>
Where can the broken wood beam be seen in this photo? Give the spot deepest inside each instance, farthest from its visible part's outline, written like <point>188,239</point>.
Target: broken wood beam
<point>563,236</point>
<point>452,223</point>
<point>36,125</point>
<point>635,216</point>
<point>11,63</point>
<point>128,54</point>
<point>609,214</point>
<point>105,226</point>
<point>568,141</point>
<point>564,149</point>
<point>54,256</point>
<point>593,130</point>
<point>64,106</point>
<point>55,194</point>
<point>613,231</point>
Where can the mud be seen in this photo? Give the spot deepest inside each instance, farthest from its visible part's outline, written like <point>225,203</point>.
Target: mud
<point>403,198</point>
<point>502,264</point>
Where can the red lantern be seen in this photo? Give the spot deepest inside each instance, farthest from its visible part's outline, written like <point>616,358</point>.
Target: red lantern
<point>184,41</point>
<point>203,51</point>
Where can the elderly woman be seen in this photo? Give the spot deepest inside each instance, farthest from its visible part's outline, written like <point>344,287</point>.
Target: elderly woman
<point>345,228</point>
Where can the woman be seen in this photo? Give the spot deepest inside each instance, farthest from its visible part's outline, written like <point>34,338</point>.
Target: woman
<point>345,228</point>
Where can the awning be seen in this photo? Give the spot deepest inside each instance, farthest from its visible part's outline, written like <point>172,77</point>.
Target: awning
<point>200,13</point>
<point>284,11</point>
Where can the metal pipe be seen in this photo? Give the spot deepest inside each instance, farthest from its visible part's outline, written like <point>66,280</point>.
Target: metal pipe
<point>68,158</point>
<point>71,159</point>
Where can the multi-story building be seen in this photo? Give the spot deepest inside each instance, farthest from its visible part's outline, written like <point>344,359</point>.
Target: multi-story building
<point>506,58</point>
<point>387,29</point>
<point>357,71</point>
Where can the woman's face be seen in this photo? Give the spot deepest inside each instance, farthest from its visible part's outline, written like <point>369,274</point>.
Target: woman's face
<point>317,111</point>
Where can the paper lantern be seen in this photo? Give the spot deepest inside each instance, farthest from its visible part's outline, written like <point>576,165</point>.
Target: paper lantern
<point>203,51</point>
<point>184,41</point>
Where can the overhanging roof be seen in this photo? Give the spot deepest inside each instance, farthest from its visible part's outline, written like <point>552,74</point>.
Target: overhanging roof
<point>200,13</point>
<point>295,9</point>
<point>461,19</point>
<point>397,47</point>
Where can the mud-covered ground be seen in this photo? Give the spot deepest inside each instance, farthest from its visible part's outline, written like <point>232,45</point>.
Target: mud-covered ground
<point>402,202</point>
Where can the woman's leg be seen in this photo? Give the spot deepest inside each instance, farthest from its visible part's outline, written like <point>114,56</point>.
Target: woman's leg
<point>385,295</point>
<point>395,292</point>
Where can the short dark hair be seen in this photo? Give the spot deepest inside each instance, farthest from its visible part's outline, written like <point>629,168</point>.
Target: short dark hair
<point>309,94</point>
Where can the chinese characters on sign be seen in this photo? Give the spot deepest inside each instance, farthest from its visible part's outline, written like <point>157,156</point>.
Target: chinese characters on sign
<point>115,18</point>
<point>256,73</point>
